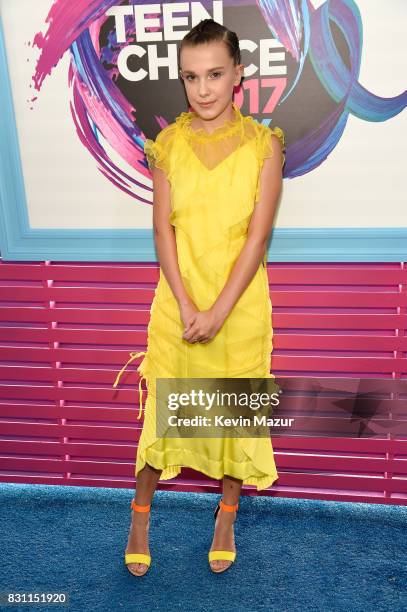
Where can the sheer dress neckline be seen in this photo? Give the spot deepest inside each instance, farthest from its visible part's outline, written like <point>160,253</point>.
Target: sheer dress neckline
<point>227,129</point>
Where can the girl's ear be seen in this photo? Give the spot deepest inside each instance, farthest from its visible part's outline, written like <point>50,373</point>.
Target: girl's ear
<point>240,73</point>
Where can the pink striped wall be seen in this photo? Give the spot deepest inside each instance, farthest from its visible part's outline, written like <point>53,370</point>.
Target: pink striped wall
<point>67,328</point>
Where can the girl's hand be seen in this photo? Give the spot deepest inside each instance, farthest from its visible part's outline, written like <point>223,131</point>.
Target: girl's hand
<point>187,312</point>
<point>203,326</point>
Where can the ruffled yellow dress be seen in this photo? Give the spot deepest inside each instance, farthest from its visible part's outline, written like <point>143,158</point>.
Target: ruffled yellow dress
<point>214,182</point>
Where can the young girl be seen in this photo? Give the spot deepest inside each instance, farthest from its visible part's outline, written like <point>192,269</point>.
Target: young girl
<point>216,177</point>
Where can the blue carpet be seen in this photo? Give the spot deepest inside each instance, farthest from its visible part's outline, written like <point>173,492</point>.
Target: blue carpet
<point>291,554</point>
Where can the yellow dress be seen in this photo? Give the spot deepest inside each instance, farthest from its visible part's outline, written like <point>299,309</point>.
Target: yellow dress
<point>214,182</point>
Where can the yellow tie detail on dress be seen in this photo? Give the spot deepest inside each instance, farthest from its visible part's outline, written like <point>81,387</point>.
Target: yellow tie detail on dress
<point>140,390</point>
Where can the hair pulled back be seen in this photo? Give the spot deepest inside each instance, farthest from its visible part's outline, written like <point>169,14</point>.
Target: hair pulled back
<point>207,31</point>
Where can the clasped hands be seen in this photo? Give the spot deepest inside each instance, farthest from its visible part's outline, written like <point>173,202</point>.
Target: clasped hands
<point>200,325</point>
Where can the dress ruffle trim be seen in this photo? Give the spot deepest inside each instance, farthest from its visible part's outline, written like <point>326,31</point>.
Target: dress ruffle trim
<point>154,153</point>
<point>265,143</point>
<point>228,128</point>
<point>158,152</point>
<point>265,148</point>
<point>190,460</point>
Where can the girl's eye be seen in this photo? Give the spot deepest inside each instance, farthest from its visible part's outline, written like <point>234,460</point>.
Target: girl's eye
<point>189,77</point>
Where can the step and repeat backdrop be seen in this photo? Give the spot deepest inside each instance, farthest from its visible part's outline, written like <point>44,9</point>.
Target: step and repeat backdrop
<point>84,83</point>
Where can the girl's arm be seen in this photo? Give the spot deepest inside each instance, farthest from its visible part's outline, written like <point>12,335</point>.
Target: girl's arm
<point>164,236</point>
<point>260,227</point>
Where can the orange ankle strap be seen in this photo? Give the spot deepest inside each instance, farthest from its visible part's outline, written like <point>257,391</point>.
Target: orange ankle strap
<point>138,508</point>
<point>227,507</point>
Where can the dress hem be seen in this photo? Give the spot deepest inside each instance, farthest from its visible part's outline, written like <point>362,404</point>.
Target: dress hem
<point>172,471</point>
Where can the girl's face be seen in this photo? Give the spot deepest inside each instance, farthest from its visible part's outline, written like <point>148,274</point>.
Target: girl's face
<point>209,75</point>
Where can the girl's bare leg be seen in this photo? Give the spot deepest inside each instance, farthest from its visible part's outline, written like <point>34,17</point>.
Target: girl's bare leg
<point>147,480</point>
<point>223,538</point>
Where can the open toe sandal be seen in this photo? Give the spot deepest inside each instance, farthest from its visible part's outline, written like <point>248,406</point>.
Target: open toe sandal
<point>138,557</point>
<point>222,555</point>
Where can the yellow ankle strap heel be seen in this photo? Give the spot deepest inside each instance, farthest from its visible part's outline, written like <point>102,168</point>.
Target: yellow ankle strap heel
<point>138,557</point>
<point>222,555</point>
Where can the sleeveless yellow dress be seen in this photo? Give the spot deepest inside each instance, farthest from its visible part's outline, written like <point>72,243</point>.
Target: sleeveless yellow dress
<point>214,182</point>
